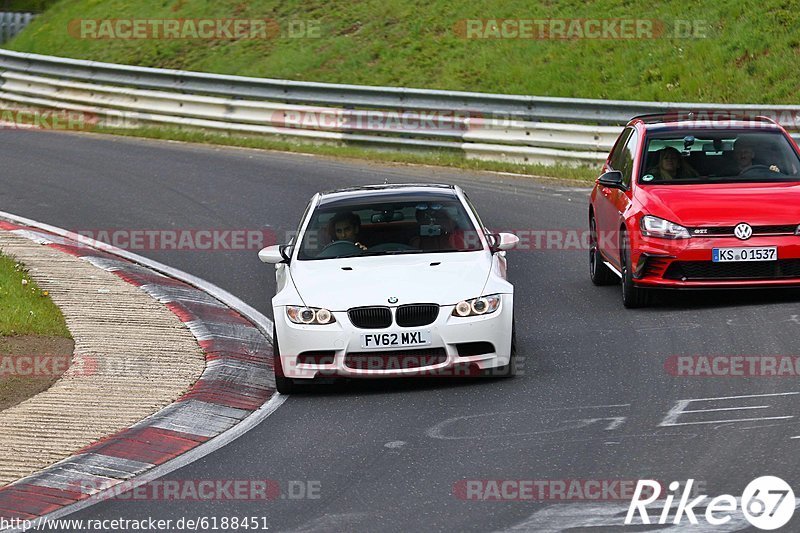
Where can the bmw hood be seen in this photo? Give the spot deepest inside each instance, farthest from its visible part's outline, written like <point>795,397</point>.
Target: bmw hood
<point>339,284</point>
<point>724,204</point>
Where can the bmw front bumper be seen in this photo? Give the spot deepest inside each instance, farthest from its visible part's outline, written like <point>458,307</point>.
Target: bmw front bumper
<point>456,343</point>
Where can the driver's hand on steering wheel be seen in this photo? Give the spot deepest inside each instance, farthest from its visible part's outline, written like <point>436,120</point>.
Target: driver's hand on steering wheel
<point>363,247</point>
<point>774,168</point>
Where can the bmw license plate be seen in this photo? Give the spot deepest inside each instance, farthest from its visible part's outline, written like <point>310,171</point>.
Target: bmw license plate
<point>402,339</point>
<point>726,255</point>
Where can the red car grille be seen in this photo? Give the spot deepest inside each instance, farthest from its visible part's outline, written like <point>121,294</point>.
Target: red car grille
<point>396,360</point>
<point>727,231</point>
<point>700,270</point>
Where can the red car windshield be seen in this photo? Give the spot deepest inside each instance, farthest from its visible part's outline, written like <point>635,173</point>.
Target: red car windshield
<point>690,157</point>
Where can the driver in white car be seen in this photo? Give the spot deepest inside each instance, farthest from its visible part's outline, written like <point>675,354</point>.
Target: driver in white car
<point>345,227</point>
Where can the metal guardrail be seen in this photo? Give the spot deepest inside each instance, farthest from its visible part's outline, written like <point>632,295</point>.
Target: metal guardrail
<point>523,129</point>
<point>13,23</point>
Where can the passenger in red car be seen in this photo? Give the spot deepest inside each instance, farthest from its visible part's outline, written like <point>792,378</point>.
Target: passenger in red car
<point>672,166</point>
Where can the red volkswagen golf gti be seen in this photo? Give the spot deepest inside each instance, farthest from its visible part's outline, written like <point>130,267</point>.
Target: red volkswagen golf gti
<point>686,203</point>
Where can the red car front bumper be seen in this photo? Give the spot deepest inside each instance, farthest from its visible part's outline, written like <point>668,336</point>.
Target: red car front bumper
<point>687,263</point>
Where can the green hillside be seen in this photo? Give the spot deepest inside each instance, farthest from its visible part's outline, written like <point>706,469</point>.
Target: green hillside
<point>32,6</point>
<point>748,51</point>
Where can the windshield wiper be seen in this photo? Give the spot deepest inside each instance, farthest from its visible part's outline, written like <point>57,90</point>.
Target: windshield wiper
<point>392,252</point>
<point>403,252</point>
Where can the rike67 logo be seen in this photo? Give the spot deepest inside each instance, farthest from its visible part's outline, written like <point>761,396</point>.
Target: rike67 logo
<point>767,503</point>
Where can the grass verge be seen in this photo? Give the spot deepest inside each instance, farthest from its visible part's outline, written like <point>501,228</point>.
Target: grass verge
<point>25,309</point>
<point>35,344</point>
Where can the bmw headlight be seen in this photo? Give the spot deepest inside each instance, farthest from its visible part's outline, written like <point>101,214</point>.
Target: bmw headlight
<point>309,315</point>
<point>664,229</point>
<point>477,306</point>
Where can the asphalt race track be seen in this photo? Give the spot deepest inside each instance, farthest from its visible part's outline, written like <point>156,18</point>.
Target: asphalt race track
<point>594,400</point>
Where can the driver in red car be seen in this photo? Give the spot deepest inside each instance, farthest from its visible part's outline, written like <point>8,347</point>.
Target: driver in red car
<point>744,153</point>
<point>345,227</point>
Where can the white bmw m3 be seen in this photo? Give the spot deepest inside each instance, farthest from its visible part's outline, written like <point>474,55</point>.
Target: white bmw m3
<point>391,280</point>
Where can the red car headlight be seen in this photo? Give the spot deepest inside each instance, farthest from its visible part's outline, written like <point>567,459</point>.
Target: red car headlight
<point>664,229</point>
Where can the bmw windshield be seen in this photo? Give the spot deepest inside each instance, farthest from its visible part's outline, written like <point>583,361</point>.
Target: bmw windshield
<point>389,225</point>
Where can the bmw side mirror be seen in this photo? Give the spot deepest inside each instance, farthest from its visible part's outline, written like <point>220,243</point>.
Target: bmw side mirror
<point>612,178</point>
<point>274,254</point>
<point>503,241</point>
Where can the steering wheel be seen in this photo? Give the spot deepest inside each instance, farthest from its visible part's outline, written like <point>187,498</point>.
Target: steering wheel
<point>755,169</point>
<point>340,248</point>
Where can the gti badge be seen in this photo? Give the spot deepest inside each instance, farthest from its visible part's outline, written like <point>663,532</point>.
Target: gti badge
<point>743,231</point>
<point>392,300</point>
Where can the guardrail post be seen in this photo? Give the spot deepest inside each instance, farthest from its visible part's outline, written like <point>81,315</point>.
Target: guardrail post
<point>11,23</point>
